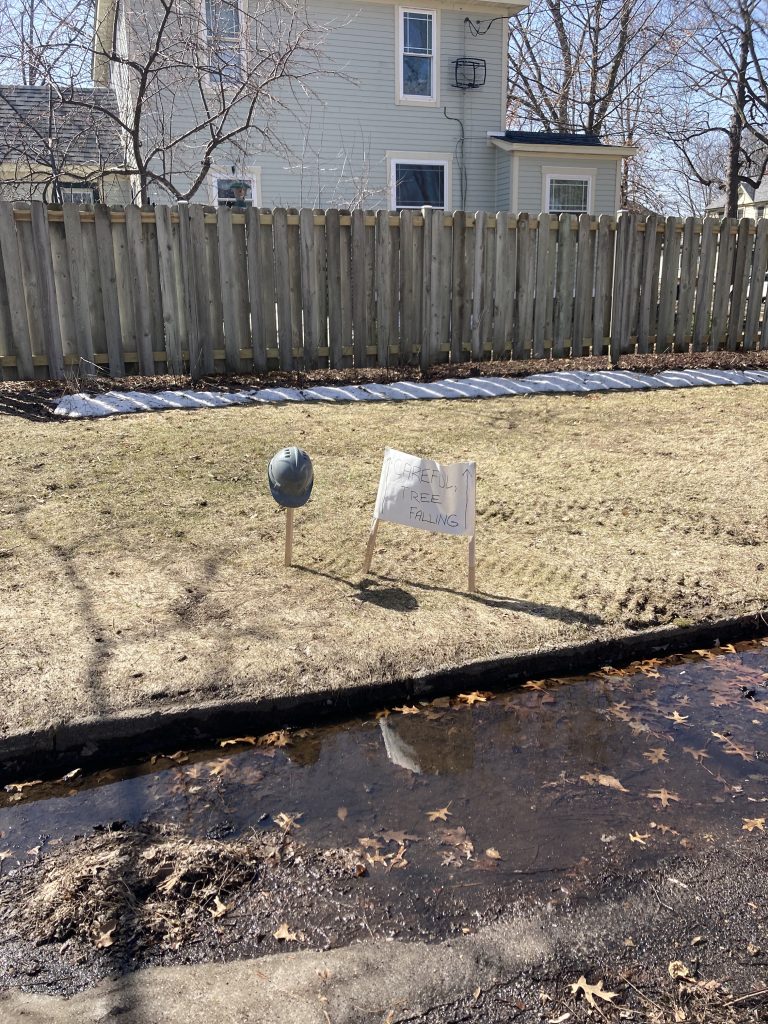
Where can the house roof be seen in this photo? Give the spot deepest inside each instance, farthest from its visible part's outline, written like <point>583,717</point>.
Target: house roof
<point>80,132</point>
<point>755,195</point>
<point>554,138</point>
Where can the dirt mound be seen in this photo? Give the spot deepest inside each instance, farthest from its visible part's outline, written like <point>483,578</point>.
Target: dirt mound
<point>147,886</point>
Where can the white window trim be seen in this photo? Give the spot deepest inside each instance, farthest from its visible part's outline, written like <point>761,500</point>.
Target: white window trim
<point>437,159</point>
<point>252,174</point>
<point>587,174</point>
<point>400,96</point>
<point>210,83</point>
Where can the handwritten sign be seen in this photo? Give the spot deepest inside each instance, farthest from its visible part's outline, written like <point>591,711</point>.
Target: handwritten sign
<point>422,493</point>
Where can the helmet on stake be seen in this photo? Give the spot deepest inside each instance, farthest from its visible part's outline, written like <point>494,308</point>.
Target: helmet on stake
<point>291,477</point>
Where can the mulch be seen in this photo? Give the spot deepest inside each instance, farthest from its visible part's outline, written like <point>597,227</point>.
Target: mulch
<point>36,399</point>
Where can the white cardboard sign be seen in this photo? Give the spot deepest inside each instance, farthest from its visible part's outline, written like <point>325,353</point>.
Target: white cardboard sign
<point>422,493</point>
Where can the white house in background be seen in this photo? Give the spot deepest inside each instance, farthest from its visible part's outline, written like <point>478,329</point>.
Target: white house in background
<point>753,202</point>
<point>414,115</point>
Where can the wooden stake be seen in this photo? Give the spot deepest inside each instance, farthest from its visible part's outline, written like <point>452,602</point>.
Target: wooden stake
<point>370,547</point>
<point>288,535</point>
<point>471,566</point>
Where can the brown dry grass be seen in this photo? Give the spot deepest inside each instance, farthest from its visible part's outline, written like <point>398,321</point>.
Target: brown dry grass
<point>142,556</point>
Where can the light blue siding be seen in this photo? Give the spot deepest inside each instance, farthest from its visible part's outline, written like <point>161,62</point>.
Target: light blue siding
<point>530,182</point>
<point>332,145</point>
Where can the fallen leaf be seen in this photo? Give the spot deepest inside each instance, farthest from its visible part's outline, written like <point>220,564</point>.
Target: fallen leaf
<point>441,814</point>
<point>656,755</point>
<point>284,934</point>
<point>636,837</point>
<point>599,779</point>
<point>473,698</point>
<point>450,859</point>
<point>341,813</point>
<point>590,991</point>
<point>664,829</point>
<point>559,1020</point>
<point>752,949</point>
<point>287,821</point>
<point>370,843</point>
<point>750,824</point>
<point>697,755</point>
<point>71,775</point>
<point>219,909</point>
<point>279,738</point>
<point>105,938</point>
<point>237,740</point>
<point>399,837</point>
<point>664,795</point>
<point>19,787</point>
<point>678,970</point>
<point>493,853</point>
<point>408,710</point>
<point>376,858</point>
<point>629,941</point>
<point>677,717</point>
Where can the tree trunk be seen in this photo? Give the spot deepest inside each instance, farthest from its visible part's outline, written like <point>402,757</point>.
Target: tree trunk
<point>736,126</point>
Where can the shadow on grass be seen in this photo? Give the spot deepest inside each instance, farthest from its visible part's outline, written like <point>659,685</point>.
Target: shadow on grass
<point>543,611</point>
<point>371,592</point>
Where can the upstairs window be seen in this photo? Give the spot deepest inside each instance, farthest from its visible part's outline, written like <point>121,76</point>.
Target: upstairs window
<point>417,56</point>
<point>225,42</point>
<point>567,194</point>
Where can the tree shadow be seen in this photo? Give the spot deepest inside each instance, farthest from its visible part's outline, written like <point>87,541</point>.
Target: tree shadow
<point>26,405</point>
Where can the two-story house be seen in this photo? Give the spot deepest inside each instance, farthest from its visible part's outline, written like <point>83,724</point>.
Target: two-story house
<point>408,108</point>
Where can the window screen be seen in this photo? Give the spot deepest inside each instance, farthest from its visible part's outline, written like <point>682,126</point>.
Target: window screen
<point>568,195</point>
<point>419,185</point>
<point>417,54</point>
<point>224,41</point>
<point>234,192</point>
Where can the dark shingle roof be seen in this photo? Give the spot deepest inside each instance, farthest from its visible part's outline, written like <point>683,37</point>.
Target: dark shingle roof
<point>80,132</point>
<point>554,138</point>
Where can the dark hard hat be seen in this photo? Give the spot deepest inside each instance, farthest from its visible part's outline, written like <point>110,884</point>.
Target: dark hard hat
<point>291,477</point>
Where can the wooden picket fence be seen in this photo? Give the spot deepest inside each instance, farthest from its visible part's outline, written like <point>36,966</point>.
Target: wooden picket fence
<point>194,289</point>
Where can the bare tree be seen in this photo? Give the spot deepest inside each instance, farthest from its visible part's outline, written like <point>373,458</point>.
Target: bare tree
<point>199,84</point>
<point>722,76</point>
<point>41,41</point>
<point>594,66</point>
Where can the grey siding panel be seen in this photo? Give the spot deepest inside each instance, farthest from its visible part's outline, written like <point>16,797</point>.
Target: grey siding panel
<point>531,180</point>
<point>334,144</point>
<point>503,179</point>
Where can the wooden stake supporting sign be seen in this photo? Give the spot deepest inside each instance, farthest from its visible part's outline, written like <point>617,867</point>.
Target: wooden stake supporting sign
<point>288,536</point>
<point>422,493</point>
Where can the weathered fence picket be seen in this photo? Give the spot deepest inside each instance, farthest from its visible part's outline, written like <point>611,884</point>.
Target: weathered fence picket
<point>198,289</point>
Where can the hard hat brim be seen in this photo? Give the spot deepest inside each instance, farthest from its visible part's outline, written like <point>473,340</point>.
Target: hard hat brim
<point>290,500</point>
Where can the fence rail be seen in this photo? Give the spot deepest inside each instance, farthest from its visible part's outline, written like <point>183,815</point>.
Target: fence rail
<point>200,290</point>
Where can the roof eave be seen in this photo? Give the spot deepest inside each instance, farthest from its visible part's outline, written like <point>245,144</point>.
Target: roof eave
<point>552,148</point>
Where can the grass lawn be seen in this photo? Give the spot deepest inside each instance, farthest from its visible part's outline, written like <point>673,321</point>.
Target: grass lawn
<point>141,557</point>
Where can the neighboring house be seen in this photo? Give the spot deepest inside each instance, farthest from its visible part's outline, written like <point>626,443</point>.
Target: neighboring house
<point>57,150</point>
<point>412,113</point>
<point>753,202</point>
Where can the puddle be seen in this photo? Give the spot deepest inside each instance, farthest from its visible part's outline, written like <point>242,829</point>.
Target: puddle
<point>614,768</point>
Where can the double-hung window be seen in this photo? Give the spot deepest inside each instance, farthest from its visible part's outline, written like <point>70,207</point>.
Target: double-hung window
<point>74,192</point>
<point>567,194</point>
<point>224,36</point>
<point>418,70</point>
